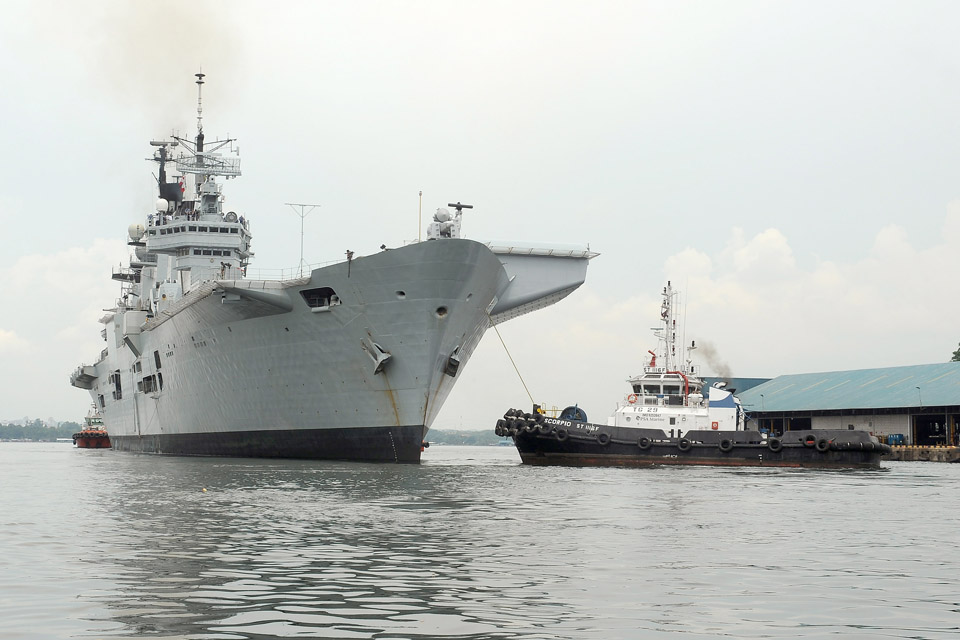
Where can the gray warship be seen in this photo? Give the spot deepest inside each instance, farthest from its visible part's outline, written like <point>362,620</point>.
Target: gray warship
<point>351,361</point>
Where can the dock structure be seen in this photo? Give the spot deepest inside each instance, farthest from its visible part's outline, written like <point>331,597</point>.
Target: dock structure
<point>915,409</point>
<point>909,453</point>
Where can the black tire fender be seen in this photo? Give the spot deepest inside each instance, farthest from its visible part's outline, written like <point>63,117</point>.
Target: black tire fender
<point>561,434</point>
<point>684,444</point>
<point>726,445</point>
<point>775,445</point>
<point>643,443</point>
<point>603,438</point>
<point>823,445</point>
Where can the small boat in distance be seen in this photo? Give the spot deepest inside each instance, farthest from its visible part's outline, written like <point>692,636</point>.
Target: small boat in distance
<point>671,417</point>
<point>93,435</point>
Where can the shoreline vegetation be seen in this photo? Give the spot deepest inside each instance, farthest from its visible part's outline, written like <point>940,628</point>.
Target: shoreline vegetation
<point>36,431</point>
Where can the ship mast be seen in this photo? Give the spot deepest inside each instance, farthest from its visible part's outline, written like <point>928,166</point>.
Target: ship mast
<point>668,331</point>
<point>200,77</point>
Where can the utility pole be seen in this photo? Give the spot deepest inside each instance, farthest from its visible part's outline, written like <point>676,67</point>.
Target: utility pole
<point>303,213</point>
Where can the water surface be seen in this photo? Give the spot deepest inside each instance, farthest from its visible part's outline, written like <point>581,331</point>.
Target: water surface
<point>470,544</point>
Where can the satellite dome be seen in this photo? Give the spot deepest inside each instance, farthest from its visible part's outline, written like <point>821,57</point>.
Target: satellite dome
<point>162,205</point>
<point>135,231</point>
<point>442,215</point>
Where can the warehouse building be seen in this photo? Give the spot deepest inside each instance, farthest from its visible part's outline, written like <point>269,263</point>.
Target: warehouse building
<point>917,405</point>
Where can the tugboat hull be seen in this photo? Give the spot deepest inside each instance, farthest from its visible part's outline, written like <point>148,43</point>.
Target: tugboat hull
<point>563,443</point>
<point>92,439</point>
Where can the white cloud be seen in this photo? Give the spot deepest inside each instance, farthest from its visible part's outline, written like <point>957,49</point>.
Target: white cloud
<point>11,343</point>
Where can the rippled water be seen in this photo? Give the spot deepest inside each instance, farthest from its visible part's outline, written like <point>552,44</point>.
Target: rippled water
<point>100,544</point>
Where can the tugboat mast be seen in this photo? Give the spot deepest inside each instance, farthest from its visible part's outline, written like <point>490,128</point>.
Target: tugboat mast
<point>668,332</point>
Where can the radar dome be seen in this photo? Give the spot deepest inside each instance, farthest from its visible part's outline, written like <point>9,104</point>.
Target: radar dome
<point>135,231</point>
<point>162,205</point>
<point>442,215</point>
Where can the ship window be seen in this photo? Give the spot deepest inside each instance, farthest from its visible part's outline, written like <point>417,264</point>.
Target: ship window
<point>671,389</point>
<point>637,388</point>
<point>163,232</point>
<point>320,297</point>
<point>234,230</point>
<point>100,401</point>
<point>156,359</point>
<point>196,252</point>
<point>673,421</point>
<point>651,388</point>
<point>202,229</point>
<point>192,228</point>
<point>207,252</point>
<point>160,379</point>
<point>224,230</point>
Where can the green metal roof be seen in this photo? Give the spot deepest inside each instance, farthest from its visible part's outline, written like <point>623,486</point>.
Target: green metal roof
<point>922,385</point>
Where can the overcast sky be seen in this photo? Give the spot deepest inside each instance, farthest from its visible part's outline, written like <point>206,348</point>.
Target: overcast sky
<point>790,166</point>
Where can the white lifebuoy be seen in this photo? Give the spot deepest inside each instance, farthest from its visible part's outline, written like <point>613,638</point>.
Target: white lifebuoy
<point>632,398</point>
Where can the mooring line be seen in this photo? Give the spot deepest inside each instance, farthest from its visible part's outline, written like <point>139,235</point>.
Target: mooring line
<point>515,368</point>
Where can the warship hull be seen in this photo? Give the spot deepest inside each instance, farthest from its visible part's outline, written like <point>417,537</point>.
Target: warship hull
<point>352,362</point>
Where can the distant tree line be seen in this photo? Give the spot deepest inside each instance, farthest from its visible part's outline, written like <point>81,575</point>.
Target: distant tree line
<point>472,438</point>
<point>956,356</point>
<point>37,432</point>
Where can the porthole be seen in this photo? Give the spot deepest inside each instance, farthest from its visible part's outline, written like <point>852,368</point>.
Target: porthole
<point>441,312</point>
<point>469,295</point>
<point>401,295</point>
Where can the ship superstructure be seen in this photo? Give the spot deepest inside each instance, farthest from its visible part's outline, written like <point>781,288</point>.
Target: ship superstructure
<point>669,394</point>
<point>351,361</point>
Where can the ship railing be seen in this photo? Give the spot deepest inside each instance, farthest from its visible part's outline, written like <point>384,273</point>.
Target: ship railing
<point>288,273</point>
<point>558,251</point>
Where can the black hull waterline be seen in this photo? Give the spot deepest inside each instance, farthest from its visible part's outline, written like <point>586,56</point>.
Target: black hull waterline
<point>584,444</point>
<point>361,444</point>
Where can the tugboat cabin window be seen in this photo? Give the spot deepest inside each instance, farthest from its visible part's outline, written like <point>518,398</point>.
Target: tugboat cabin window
<point>653,389</point>
<point>319,297</point>
<point>671,390</point>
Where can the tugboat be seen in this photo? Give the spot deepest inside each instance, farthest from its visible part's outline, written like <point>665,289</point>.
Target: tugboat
<point>670,417</point>
<point>93,435</point>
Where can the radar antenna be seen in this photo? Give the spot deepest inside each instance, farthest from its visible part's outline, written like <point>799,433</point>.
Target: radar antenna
<point>304,212</point>
<point>460,207</point>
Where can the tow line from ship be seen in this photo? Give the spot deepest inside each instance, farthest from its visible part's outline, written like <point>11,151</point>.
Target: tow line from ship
<point>515,368</point>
